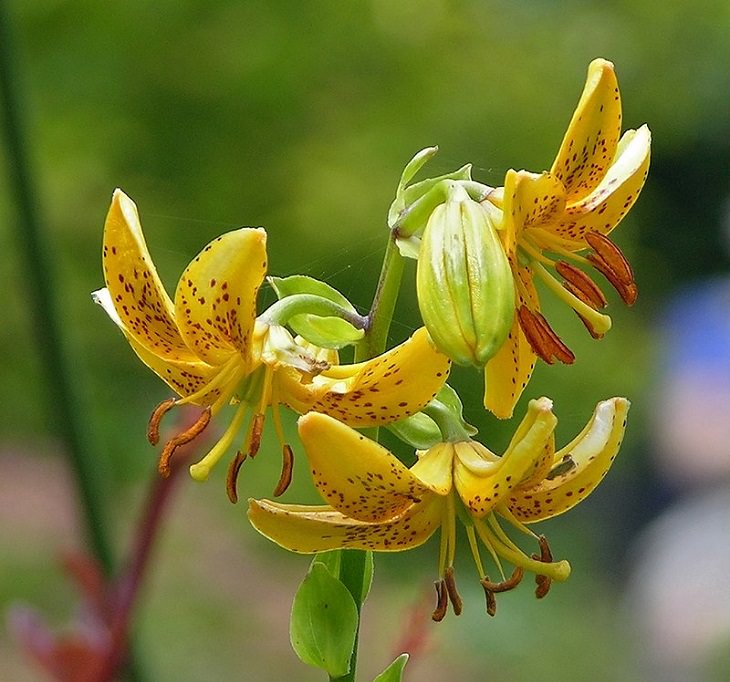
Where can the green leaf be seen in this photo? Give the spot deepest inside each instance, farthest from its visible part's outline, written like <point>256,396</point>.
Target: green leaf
<point>323,622</point>
<point>302,284</point>
<point>333,561</point>
<point>326,332</point>
<point>394,672</point>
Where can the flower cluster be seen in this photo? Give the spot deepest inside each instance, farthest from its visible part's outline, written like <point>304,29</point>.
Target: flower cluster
<point>480,253</point>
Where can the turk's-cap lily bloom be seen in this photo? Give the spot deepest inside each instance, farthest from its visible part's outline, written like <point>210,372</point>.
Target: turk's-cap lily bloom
<point>375,502</point>
<point>209,346</point>
<point>572,208</point>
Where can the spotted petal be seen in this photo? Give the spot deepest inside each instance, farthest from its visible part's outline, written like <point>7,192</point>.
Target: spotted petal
<point>604,208</point>
<point>589,145</point>
<point>506,375</point>
<point>215,301</point>
<point>383,390</point>
<point>530,200</point>
<point>579,467</point>
<point>483,480</point>
<point>185,377</point>
<point>143,308</point>
<point>309,529</point>
<point>356,475</point>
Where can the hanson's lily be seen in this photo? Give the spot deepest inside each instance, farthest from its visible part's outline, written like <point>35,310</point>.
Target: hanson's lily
<point>375,502</point>
<point>593,182</point>
<point>209,346</point>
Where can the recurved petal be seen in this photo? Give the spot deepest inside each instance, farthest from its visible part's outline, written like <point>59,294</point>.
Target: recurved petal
<point>589,145</point>
<point>215,301</point>
<point>578,467</point>
<point>507,374</point>
<point>304,529</point>
<point>142,306</point>
<point>356,475</point>
<point>185,377</point>
<point>530,200</point>
<point>383,390</point>
<point>604,208</point>
<point>485,480</point>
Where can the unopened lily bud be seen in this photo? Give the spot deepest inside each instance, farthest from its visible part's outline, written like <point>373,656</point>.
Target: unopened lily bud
<point>464,282</point>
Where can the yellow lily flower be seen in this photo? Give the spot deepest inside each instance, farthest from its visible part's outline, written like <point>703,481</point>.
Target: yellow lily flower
<point>211,349</point>
<point>377,503</point>
<point>593,182</point>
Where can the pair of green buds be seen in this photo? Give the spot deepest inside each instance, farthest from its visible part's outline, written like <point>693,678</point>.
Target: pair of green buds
<point>464,282</point>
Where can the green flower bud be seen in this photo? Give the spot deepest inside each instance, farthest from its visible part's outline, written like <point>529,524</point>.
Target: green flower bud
<point>464,282</point>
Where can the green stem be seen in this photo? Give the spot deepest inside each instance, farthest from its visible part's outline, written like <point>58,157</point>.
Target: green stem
<point>352,562</point>
<point>63,395</point>
<point>282,311</point>
<point>381,312</point>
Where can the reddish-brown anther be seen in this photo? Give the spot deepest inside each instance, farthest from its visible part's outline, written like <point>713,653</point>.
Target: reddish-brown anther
<point>287,468</point>
<point>542,338</point>
<point>181,439</point>
<point>609,260</point>
<point>581,285</point>
<point>442,601</point>
<point>153,427</point>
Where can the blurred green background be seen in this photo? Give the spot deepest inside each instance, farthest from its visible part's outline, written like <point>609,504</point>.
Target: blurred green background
<point>299,116</point>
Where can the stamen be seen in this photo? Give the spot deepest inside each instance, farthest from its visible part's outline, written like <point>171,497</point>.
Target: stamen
<point>581,285</point>
<point>543,582</point>
<point>491,588</point>
<point>153,427</point>
<point>255,433</point>
<point>175,442</point>
<point>232,477</point>
<point>287,467</point>
<point>541,337</point>
<point>505,585</point>
<point>474,547</point>
<point>612,264</point>
<point>201,470</point>
<point>442,601</point>
<point>491,600</point>
<point>558,570</point>
<point>598,321</point>
<point>456,601</point>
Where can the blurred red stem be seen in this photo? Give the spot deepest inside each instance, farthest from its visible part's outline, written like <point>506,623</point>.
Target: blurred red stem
<point>124,593</point>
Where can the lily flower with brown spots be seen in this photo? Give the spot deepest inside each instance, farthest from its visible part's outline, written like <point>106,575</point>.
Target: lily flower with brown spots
<point>593,182</point>
<point>209,346</point>
<point>377,503</point>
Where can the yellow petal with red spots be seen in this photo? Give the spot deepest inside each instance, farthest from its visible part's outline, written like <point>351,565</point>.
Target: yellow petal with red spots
<point>604,208</point>
<point>383,390</point>
<point>356,475</point>
<point>309,529</point>
<point>578,467</point>
<point>484,480</point>
<point>537,411</point>
<point>507,374</point>
<point>529,200</point>
<point>215,301</point>
<point>185,377</point>
<point>589,145</point>
<point>137,293</point>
